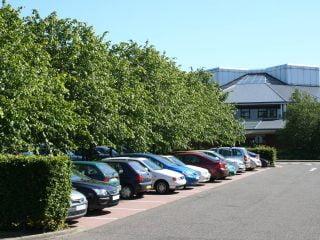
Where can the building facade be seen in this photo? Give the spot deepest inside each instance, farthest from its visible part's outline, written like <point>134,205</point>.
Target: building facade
<point>261,96</point>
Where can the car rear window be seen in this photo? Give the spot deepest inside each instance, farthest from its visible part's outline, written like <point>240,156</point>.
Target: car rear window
<point>136,166</point>
<point>105,168</point>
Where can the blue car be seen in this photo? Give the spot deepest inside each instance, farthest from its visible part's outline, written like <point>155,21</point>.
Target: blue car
<point>191,176</point>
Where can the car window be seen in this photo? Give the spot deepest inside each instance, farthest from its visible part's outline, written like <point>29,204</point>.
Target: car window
<point>225,152</point>
<point>89,170</point>
<point>78,176</point>
<point>216,156</point>
<point>236,152</point>
<point>137,166</point>
<point>151,165</point>
<point>106,150</point>
<point>176,161</point>
<point>116,166</point>
<point>158,163</point>
<point>105,169</point>
<point>190,159</point>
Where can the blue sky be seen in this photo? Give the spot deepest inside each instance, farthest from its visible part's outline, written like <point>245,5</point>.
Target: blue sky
<point>204,33</point>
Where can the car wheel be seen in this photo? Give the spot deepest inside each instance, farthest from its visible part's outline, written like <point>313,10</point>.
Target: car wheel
<point>127,192</point>
<point>162,187</point>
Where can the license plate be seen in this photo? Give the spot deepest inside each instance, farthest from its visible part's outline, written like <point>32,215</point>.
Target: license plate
<point>116,197</point>
<point>81,207</point>
<point>148,187</point>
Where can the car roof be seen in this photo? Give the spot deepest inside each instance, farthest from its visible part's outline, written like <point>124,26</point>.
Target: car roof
<point>126,158</point>
<point>87,162</point>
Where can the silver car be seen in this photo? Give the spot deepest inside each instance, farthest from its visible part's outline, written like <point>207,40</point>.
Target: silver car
<point>237,153</point>
<point>78,205</point>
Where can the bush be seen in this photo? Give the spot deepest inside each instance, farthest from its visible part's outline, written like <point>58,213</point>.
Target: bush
<point>268,153</point>
<point>34,192</point>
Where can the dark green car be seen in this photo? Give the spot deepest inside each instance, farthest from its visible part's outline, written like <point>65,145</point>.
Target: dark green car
<point>99,171</point>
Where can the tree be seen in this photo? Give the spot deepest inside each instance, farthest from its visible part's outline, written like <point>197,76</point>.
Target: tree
<point>300,137</point>
<point>64,86</point>
<point>33,108</point>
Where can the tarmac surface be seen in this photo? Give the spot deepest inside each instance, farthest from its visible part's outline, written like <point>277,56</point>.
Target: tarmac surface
<point>278,203</point>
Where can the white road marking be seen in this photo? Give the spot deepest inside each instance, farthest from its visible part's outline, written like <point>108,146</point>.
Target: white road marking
<point>308,164</point>
<point>313,169</point>
<point>130,209</point>
<point>295,163</point>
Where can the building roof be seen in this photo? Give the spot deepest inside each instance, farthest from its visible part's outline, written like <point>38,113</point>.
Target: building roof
<point>264,125</point>
<point>262,88</point>
<point>296,75</point>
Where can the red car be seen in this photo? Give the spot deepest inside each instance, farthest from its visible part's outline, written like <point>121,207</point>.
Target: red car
<point>217,168</point>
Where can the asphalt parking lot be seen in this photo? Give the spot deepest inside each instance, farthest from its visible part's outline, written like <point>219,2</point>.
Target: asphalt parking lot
<point>277,203</point>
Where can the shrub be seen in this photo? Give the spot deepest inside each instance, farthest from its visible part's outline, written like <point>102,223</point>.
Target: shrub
<point>268,153</point>
<point>34,192</point>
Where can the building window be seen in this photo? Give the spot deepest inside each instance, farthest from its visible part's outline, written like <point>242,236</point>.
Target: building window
<point>267,113</point>
<point>245,113</point>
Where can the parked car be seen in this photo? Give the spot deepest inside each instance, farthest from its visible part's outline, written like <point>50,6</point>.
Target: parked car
<point>232,164</point>
<point>99,171</point>
<point>78,205</point>
<point>264,162</point>
<point>239,154</point>
<point>75,155</point>
<point>204,174</point>
<point>93,153</point>
<point>99,195</point>
<point>135,180</point>
<point>163,180</point>
<point>256,158</point>
<point>191,176</point>
<point>216,167</point>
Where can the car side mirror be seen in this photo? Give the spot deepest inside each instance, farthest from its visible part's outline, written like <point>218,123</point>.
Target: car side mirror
<point>120,171</point>
<point>147,170</point>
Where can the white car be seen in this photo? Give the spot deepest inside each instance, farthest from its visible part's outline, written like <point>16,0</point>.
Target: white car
<point>204,174</point>
<point>163,180</point>
<point>78,205</point>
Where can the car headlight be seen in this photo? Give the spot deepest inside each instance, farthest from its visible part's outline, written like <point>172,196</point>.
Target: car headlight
<point>101,192</point>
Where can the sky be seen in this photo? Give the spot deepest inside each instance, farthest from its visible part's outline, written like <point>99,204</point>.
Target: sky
<point>203,33</point>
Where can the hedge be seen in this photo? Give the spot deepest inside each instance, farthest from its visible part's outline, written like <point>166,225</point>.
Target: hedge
<point>268,153</point>
<point>34,192</point>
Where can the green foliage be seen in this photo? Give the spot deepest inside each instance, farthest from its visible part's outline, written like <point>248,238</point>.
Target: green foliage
<point>66,87</point>
<point>301,135</point>
<point>265,152</point>
<point>34,192</point>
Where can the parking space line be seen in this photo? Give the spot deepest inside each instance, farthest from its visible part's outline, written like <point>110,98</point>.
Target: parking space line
<point>312,169</point>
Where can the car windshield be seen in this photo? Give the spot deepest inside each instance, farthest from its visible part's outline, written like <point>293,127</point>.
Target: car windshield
<point>106,169</point>
<point>78,176</point>
<point>137,166</point>
<point>151,165</point>
<point>176,161</point>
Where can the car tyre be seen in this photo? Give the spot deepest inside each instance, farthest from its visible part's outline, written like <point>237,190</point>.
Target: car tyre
<point>162,187</point>
<point>127,192</point>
